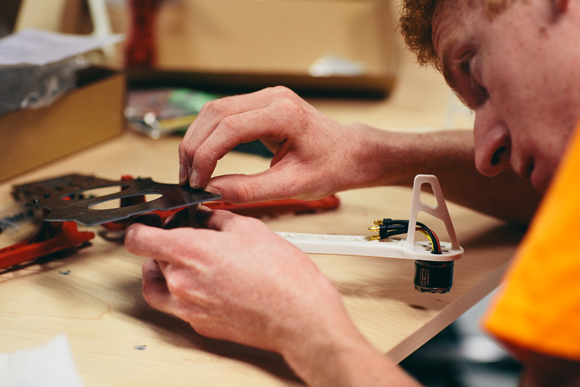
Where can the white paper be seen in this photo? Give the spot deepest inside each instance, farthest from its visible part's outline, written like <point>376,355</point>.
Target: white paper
<point>50,365</point>
<point>35,47</point>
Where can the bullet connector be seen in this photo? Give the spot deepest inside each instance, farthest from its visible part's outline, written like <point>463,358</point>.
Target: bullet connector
<point>387,227</point>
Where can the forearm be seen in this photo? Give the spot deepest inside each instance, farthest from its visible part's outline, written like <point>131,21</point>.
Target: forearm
<point>345,360</point>
<point>394,158</point>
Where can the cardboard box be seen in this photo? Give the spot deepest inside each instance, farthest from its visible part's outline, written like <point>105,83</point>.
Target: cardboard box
<point>244,45</point>
<point>234,46</point>
<point>87,115</point>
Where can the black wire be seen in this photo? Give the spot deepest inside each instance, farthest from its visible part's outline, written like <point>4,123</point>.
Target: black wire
<point>391,227</point>
<point>434,239</point>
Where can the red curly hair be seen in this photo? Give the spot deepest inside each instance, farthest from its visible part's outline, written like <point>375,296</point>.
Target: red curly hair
<point>415,24</point>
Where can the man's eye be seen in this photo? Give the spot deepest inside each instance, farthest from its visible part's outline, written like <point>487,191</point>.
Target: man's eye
<point>465,66</point>
<point>480,94</point>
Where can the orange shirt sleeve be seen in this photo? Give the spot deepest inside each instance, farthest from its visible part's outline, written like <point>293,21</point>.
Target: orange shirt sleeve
<point>538,306</point>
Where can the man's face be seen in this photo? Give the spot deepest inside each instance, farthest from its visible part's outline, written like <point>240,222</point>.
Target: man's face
<point>520,72</point>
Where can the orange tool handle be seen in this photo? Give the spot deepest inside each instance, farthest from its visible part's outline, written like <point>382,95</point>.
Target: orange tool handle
<point>51,238</point>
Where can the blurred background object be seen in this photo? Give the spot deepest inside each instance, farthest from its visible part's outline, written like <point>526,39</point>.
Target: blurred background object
<point>234,46</point>
<point>54,100</point>
<point>462,355</point>
<point>141,48</point>
<point>8,12</point>
<point>164,111</point>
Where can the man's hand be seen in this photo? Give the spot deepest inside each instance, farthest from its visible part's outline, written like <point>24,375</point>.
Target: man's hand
<point>235,280</point>
<point>314,155</point>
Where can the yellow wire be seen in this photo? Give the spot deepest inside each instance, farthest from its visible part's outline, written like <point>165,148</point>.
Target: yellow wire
<point>427,235</point>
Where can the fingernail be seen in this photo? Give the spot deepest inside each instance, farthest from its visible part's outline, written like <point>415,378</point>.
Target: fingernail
<point>193,180</point>
<point>213,190</point>
<point>182,175</point>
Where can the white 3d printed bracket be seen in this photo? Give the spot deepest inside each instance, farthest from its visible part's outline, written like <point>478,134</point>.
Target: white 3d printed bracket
<point>390,248</point>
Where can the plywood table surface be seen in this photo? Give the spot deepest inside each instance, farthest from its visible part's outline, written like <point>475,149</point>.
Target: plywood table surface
<point>99,306</point>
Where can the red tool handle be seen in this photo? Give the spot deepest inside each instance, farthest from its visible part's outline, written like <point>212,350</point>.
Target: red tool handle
<point>277,207</point>
<point>141,49</point>
<point>256,210</point>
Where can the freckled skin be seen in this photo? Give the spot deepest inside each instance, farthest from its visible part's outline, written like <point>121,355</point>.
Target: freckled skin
<point>527,60</point>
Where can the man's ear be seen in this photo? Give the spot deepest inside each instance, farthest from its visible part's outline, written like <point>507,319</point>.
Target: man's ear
<point>561,5</point>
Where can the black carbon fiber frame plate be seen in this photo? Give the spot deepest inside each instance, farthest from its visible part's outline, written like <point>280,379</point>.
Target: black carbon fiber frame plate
<point>52,195</point>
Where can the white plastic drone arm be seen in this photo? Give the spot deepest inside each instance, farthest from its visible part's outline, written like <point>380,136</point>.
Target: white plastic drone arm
<point>409,249</point>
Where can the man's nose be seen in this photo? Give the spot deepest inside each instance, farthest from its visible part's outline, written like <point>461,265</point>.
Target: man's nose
<point>492,142</point>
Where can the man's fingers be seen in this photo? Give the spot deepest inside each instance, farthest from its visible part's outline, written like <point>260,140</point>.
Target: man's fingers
<point>213,113</point>
<point>155,290</point>
<point>179,219</point>
<point>272,184</point>
<point>230,132</point>
<point>272,146</point>
<point>157,243</point>
<point>156,293</point>
<point>213,219</point>
<point>144,240</point>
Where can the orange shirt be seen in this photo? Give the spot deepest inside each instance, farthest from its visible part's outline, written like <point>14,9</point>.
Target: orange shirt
<point>538,306</point>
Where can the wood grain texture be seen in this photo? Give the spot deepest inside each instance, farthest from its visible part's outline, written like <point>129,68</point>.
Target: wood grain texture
<point>98,304</point>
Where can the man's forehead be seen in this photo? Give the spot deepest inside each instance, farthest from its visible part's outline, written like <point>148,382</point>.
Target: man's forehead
<point>450,9</point>
<point>449,19</point>
<point>451,28</point>
<point>455,12</point>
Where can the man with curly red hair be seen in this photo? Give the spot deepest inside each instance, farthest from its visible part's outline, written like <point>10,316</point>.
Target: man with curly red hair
<point>517,65</point>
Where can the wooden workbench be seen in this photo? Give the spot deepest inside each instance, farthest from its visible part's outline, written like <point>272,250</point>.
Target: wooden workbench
<point>99,306</point>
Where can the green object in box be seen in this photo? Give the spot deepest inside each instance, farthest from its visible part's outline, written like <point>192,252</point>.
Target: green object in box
<point>190,100</point>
